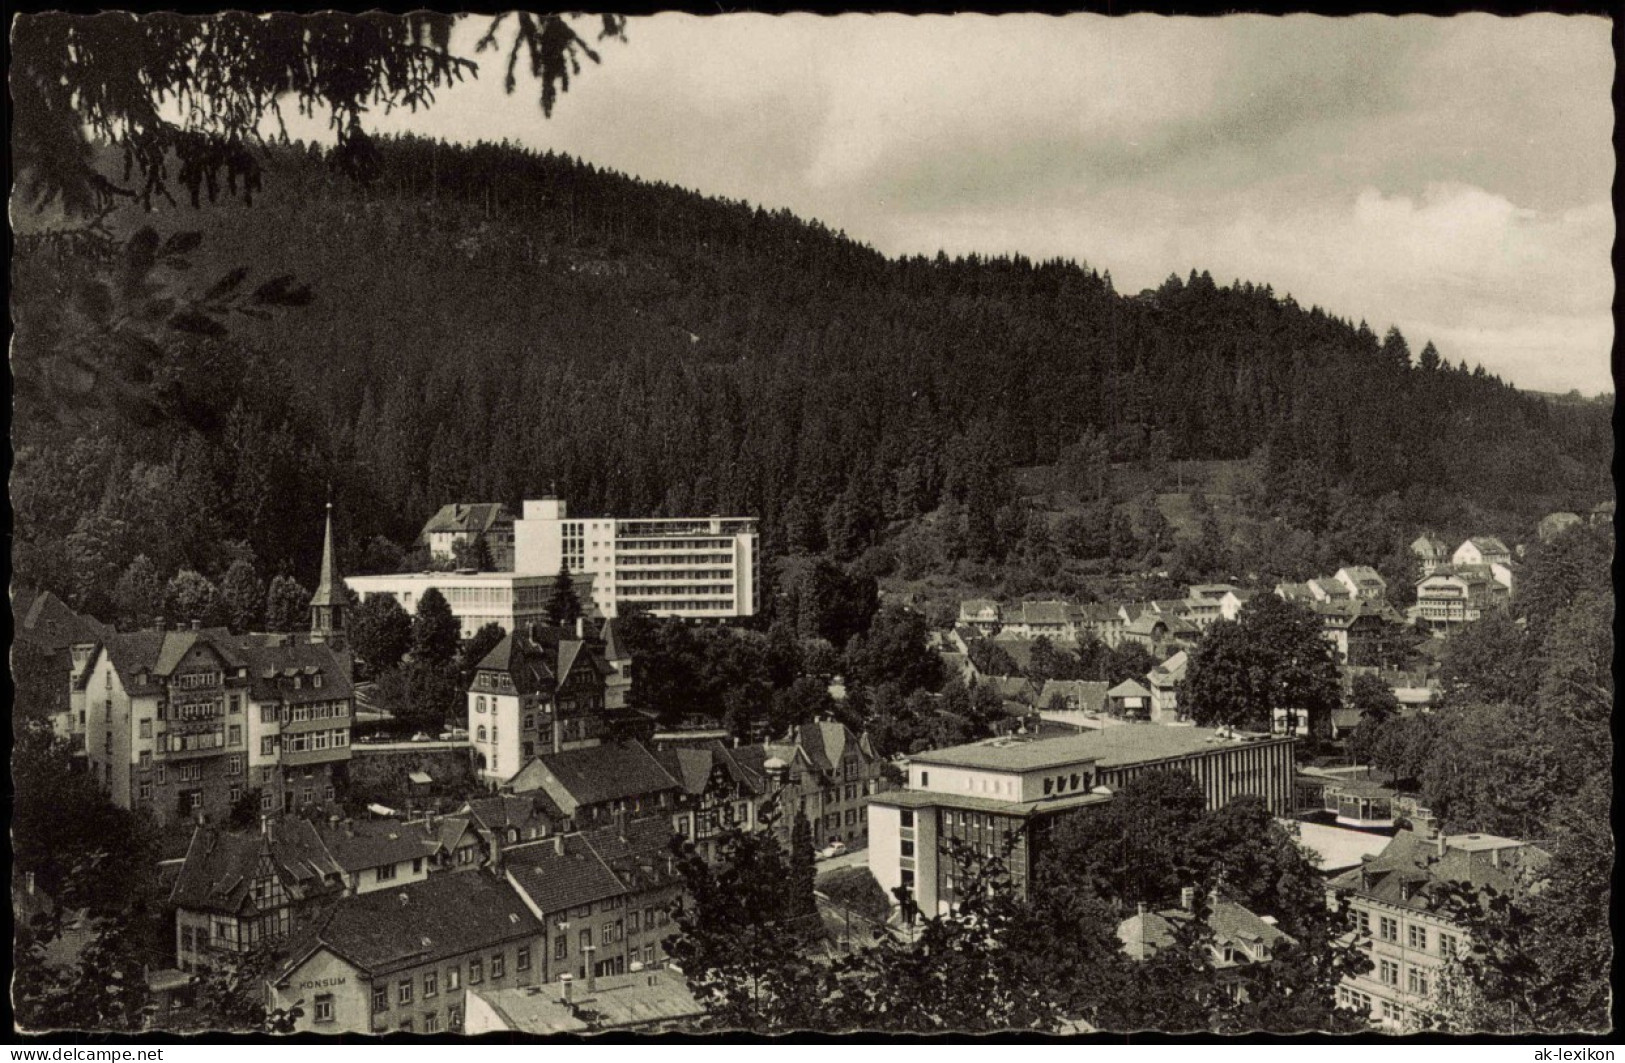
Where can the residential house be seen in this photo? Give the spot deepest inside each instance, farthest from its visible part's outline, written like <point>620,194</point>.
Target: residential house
<point>505,820</point>
<point>1051,620</point>
<point>589,785</point>
<point>538,691</point>
<point>45,631</point>
<point>238,889</point>
<point>641,1001</point>
<point>1101,619</point>
<point>981,615</point>
<point>618,682</point>
<point>184,723</point>
<point>403,959</point>
<point>1602,512</point>
<point>831,773</point>
<point>468,528</point>
<point>605,896</point>
<point>1204,603</point>
<point>719,791</point>
<point>1456,595</point>
<point>1431,551</point>
<point>1160,633</point>
<point>1231,604</point>
<point>1296,593</point>
<point>1329,589</point>
<point>1481,550</point>
<point>1360,630</point>
<point>1164,680</point>
<point>1394,904</point>
<point>1362,582</point>
<point>1129,699</point>
<point>1240,939</point>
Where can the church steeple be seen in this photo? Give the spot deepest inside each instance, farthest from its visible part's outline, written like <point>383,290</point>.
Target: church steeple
<point>327,604</point>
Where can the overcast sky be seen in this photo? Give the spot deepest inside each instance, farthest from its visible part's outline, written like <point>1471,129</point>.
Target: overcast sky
<point>1447,175</point>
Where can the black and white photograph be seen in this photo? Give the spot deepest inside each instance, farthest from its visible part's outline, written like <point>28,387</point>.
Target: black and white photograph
<point>563,526</point>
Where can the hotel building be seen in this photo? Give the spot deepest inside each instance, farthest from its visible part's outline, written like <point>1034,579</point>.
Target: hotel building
<point>679,566</point>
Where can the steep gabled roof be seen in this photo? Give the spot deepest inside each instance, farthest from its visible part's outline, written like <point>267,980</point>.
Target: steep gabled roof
<point>42,620</point>
<point>467,517</point>
<point>1128,688</point>
<point>593,775</point>
<point>1047,613</point>
<point>561,873</point>
<point>423,922</point>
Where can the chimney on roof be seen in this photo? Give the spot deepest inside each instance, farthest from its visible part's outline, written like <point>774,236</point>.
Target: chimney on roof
<point>1441,845</point>
<point>405,899</point>
<point>620,824</point>
<point>1495,856</point>
<point>1187,898</point>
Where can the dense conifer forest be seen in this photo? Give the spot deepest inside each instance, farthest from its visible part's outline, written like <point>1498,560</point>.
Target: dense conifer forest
<point>485,323</point>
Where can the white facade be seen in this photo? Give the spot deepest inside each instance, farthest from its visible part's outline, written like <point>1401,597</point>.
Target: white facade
<point>686,567</point>
<point>490,717</point>
<point>476,598</point>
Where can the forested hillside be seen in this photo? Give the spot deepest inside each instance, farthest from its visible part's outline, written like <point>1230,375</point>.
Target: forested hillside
<point>487,322</point>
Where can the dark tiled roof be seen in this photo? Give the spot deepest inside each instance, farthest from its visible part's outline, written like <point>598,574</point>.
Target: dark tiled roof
<point>467,517</point>
<point>609,772</point>
<point>424,922</point>
<point>220,866</point>
<point>1411,869</point>
<point>1044,612</point>
<point>638,851</point>
<point>359,844</point>
<point>42,620</point>
<point>1230,922</point>
<point>561,873</point>
<point>524,812</point>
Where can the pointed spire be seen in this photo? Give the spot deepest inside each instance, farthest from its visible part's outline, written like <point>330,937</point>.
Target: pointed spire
<point>325,593</point>
<point>327,604</point>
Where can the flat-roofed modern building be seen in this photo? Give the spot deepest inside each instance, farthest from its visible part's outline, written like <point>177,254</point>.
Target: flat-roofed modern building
<point>1002,796</point>
<point>695,567</point>
<point>514,600</point>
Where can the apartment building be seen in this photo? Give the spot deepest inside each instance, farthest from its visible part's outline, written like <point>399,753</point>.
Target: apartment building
<point>236,890</point>
<point>540,690</point>
<point>183,723</point>
<point>702,568</point>
<point>401,960</point>
<point>1003,795</point>
<point>605,896</point>
<point>516,601</point>
<point>830,775</point>
<point>1457,594</point>
<point>1393,906</point>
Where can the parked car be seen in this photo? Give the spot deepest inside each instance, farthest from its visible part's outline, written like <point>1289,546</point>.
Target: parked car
<point>421,737</point>
<point>833,849</point>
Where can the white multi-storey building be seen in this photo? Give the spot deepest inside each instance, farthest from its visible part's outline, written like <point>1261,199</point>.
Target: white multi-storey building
<point>516,602</point>
<point>703,567</point>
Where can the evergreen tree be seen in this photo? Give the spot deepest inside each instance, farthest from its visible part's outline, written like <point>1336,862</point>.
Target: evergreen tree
<point>435,631</point>
<point>563,608</point>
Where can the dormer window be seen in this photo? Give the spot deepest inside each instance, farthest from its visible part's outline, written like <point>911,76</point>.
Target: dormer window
<point>298,682</point>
